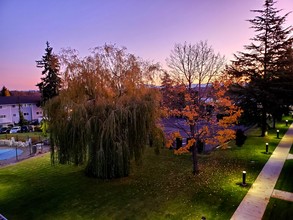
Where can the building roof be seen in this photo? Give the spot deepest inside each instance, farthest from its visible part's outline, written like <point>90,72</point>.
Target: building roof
<point>33,99</point>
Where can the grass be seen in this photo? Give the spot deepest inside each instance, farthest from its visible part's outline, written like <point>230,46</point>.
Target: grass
<point>291,150</point>
<point>285,182</point>
<point>278,209</point>
<point>161,188</point>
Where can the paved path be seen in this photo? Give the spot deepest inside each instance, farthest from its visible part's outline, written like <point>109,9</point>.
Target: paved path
<point>290,157</point>
<point>255,202</point>
<point>279,194</point>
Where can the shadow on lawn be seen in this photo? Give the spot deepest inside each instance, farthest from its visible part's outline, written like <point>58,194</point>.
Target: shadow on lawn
<point>34,195</point>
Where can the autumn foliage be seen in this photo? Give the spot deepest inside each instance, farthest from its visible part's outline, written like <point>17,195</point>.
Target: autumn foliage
<point>208,120</point>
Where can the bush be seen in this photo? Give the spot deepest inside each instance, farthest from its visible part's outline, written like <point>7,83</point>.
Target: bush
<point>240,137</point>
<point>37,128</point>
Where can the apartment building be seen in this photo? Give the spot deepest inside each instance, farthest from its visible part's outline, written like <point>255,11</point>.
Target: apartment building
<point>28,105</point>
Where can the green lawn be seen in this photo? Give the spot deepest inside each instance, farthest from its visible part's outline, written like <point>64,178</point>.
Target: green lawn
<point>163,187</point>
<point>285,179</point>
<point>278,209</point>
<point>291,149</point>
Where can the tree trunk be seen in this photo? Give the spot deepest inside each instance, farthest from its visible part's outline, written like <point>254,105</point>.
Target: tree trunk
<point>91,167</point>
<point>274,122</point>
<point>194,159</point>
<point>263,122</point>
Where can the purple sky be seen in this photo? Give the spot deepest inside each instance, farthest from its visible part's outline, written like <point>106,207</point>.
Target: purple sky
<point>148,28</point>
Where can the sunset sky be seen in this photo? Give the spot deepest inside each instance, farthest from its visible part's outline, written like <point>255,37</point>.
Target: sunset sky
<point>147,28</point>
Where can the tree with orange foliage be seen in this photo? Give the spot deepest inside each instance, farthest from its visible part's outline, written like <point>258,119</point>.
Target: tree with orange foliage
<point>204,103</point>
<point>204,125</point>
<point>5,91</point>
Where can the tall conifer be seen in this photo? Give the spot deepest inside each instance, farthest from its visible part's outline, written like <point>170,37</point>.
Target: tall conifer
<point>50,84</point>
<point>261,65</point>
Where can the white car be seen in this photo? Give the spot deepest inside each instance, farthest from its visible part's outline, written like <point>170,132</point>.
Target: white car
<point>16,129</point>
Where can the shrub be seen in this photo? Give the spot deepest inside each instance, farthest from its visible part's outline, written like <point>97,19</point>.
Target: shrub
<point>240,137</point>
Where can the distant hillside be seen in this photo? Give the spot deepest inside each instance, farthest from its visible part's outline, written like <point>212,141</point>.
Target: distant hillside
<point>25,93</point>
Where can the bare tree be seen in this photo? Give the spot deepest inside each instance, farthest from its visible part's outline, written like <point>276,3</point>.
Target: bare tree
<point>194,63</point>
<point>182,62</point>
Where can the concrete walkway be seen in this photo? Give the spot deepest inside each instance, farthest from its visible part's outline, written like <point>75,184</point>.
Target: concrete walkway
<point>279,194</point>
<point>255,202</point>
<point>290,157</point>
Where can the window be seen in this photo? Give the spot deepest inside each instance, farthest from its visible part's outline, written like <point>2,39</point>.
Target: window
<point>25,113</point>
<point>14,115</point>
<point>0,106</point>
<point>2,116</point>
<point>38,113</point>
<point>13,106</point>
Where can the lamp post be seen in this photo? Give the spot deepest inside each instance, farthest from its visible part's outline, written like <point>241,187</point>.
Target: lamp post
<point>286,122</point>
<point>243,178</point>
<point>267,148</point>
<point>278,132</point>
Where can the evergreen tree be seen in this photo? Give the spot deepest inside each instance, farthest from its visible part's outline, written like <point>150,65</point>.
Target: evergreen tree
<point>172,93</point>
<point>50,85</point>
<point>261,66</point>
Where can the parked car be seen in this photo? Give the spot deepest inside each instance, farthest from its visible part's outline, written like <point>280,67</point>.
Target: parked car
<point>15,129</point>
<point>26,128</point>
<point>4,130</point>
<point>34,122</point>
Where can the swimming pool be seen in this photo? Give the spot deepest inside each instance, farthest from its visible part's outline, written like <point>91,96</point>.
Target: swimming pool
<point>7,153</point>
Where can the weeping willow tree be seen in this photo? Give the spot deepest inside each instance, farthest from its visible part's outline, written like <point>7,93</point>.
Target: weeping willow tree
<point>105,114</point>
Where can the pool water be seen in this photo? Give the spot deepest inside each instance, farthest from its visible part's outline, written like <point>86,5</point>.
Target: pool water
<point>8,153</point>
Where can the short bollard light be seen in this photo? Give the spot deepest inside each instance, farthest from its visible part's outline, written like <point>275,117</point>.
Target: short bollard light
<point>278,132</point>
<point>243,178</point>
<point>267,148</point>
<point>286,122</point>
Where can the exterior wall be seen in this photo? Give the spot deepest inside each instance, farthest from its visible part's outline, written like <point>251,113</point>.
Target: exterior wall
<point>26,111</point>
<point>9,114</point>
<point>37,112</point>
<point>14,113</point>
<point>5,114</point>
